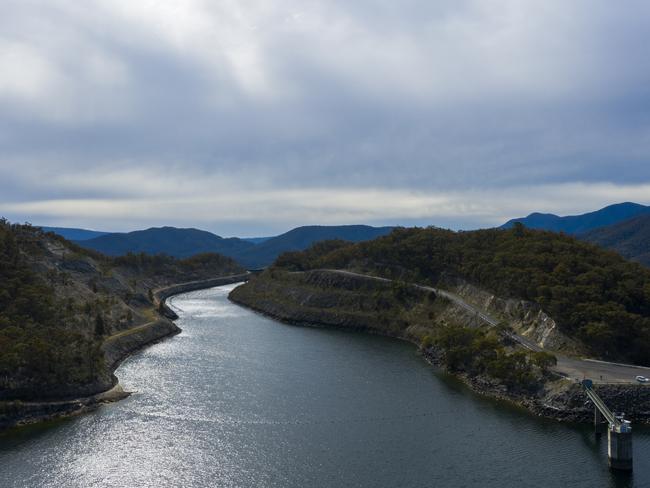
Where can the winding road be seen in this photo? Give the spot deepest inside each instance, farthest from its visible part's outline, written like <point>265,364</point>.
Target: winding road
<point>569,367</point>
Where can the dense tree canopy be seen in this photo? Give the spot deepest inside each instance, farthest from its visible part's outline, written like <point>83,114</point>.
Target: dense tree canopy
<point>37,350</point>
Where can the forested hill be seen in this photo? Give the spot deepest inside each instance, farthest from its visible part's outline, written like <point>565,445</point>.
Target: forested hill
<point>58,302</point>
<point>596,296</point>
<point>630,238</point>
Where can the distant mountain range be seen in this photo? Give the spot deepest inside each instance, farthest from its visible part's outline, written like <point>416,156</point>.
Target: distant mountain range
<point>579,224</point>
<point>256,240</point>
<point>182,243</point>
<point>301,238</point>
<point>74,234</point>
<point>623,227</point>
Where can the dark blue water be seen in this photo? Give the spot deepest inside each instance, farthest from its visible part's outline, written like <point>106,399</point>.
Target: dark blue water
<point>238,400</point>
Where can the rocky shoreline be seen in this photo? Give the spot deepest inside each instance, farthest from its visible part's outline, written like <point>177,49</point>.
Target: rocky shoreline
<point>562,400</point>
<point>116,349</point>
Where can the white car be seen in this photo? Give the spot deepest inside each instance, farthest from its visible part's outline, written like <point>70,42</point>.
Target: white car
<point>642,379</point>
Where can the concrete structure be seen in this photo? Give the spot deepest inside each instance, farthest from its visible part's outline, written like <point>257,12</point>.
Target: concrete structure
<point>619,431</point>
<point>619,448</point>
<point>600,424</point>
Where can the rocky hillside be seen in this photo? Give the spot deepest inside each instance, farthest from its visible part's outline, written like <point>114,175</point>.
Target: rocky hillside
<point>594,297</point>
<point>321,297</point>
<point>59,304</point>
<point>526,318</point>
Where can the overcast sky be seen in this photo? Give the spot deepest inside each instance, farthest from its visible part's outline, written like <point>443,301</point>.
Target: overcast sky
<point>249,117</point>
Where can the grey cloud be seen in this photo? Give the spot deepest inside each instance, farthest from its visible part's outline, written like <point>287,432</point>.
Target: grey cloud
<point>430,97</point>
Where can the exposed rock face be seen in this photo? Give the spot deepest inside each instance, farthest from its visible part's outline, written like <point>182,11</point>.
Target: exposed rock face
<point>527,318</point>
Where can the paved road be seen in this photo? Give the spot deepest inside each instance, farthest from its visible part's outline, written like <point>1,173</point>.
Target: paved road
<point>572,368</point>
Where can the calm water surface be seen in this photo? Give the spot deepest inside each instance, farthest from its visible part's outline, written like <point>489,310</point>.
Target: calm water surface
<point>238,400</point>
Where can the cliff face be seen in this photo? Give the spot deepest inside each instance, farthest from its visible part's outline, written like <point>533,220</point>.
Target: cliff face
<point>527,318</point>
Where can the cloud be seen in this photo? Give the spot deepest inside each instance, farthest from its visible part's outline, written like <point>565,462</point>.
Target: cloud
<point>450,110</point>
<point>235,204</point>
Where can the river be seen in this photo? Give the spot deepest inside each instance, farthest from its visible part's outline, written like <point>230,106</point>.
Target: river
<point>239,400</point>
